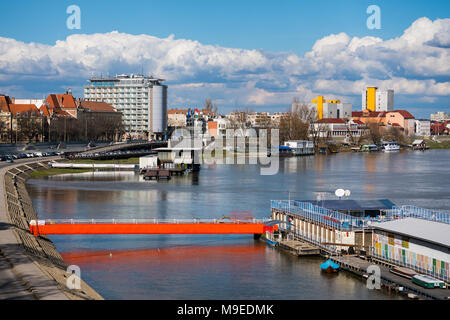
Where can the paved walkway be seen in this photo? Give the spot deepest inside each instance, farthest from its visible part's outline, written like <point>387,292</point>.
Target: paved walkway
<point>20,277</point>
<point>12,288</point>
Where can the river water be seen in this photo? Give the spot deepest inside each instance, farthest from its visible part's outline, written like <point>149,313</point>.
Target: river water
<point>218,266</point>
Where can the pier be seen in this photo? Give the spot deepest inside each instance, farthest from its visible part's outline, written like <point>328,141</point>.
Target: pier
<point>149,226</point>
<point>358,265</point>
<point>299,248</point>
<point>161,173</point>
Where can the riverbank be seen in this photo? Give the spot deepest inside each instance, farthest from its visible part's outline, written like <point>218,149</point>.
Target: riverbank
<point>35,260</point>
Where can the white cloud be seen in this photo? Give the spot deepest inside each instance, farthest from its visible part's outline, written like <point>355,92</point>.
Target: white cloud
<point>414,64</point>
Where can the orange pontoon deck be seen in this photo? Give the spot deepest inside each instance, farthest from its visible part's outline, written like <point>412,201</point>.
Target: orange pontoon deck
<point>150,226</point>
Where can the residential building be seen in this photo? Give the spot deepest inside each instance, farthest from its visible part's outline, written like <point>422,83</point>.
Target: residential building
<point>422,127</point>
<point>177,118</point>
<point>396,118</point>
<point>218,126</point>
<point>337,127</point>
<point>37,102</point>
<point>440,116</point>
<point>20,122</point>
<point>403,119</point>
<point>377,100</point>
<point>141,100</point>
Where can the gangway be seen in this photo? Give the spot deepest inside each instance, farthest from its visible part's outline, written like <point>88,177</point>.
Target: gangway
<point>151,226</point>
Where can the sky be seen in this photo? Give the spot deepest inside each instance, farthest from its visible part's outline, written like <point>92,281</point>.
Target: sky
<point>242,54</point>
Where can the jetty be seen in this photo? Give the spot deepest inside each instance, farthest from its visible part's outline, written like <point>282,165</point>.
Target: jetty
<point>299,248</point>
<point>391,282</point>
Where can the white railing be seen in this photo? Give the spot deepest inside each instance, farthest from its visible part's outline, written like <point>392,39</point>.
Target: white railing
<point>441,275</point>
<point>152,221</point>
<point>419,213</point>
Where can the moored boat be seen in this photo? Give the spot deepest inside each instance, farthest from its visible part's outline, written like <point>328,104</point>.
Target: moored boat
<point>271,243</point>
<point>427,281</point>
<point>403,272</point>
<point>329,266</point>
<point>391,146</point>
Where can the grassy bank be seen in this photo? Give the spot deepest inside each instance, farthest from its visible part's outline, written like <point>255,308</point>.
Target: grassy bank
<point>113,161</point>
<point>55,171</point>
<point>438,145</point>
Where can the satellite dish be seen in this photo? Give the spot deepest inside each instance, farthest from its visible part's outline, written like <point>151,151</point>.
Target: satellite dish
<point>339,193</point>
<point>347,193</point>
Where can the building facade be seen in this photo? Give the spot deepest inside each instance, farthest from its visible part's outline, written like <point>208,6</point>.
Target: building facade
<point>330,109</point>
<point>20,122</point>
<point>422,127</point>
<point>141,100</point>
<point>415,243</point>
<point>374,99</point>
<point>439,116</point>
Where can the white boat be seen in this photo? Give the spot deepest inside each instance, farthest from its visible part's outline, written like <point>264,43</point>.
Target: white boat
<point>391,146</point>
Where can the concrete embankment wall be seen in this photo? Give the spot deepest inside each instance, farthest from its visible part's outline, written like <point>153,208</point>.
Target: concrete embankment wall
<point>48,280</point>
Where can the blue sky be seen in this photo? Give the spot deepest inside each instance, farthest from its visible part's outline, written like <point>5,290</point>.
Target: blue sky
<point>275,25</point>
<point>271,27</point>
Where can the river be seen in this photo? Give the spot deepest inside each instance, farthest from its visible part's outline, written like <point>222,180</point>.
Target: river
<point>227,267</point>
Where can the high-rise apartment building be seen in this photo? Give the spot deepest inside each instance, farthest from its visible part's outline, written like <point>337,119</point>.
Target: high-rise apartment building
<point>327,109</point>
<point>142,101</point>
<point>374,99</point>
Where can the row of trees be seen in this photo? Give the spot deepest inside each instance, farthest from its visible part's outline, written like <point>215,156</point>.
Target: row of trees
<point>33,129</point>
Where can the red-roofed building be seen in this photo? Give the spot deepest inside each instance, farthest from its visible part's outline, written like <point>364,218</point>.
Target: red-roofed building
<point>20,122</point>
<point>398,118</point>
<point>337,127</point>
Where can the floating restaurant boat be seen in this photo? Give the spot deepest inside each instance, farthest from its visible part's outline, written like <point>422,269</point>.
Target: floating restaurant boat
<point>391,146</point>
<point>329,267</point>
<point>403,272</point>
<point>427,281</point>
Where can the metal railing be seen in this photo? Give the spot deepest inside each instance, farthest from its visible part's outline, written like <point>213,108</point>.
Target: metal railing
<point>309,237</point>
<point>152,221</point>
<point>444,276</point>
<point>408,211</point>
<point>345,222</point>
<point>330,218</point>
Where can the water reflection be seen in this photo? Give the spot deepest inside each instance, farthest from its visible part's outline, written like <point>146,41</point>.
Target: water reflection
<point>219,270</point>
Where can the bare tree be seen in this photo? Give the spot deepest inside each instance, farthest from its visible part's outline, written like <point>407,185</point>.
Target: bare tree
<point>29,126</point>
<point>293,127</point>
<point>374,132</point>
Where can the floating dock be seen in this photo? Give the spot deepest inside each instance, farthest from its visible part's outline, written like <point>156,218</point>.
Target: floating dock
<point>157,174</point>
<point>149,226</point>
<point>390,281</point>
<point>299,248</point>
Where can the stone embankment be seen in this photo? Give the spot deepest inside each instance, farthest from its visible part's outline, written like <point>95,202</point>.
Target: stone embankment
<point>34,260</point>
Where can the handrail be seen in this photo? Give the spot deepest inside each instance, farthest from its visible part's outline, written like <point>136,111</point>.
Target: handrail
<point>140,221</point>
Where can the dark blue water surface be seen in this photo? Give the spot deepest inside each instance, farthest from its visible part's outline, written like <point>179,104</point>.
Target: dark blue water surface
<point>227,267</point>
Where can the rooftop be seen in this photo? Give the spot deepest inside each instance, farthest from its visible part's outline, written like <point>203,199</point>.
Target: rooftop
<point>430,231</point>
<point>353,205</point>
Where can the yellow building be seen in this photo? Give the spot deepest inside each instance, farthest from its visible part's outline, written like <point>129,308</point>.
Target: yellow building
<point>319,101</point>
<point>371,98</point>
